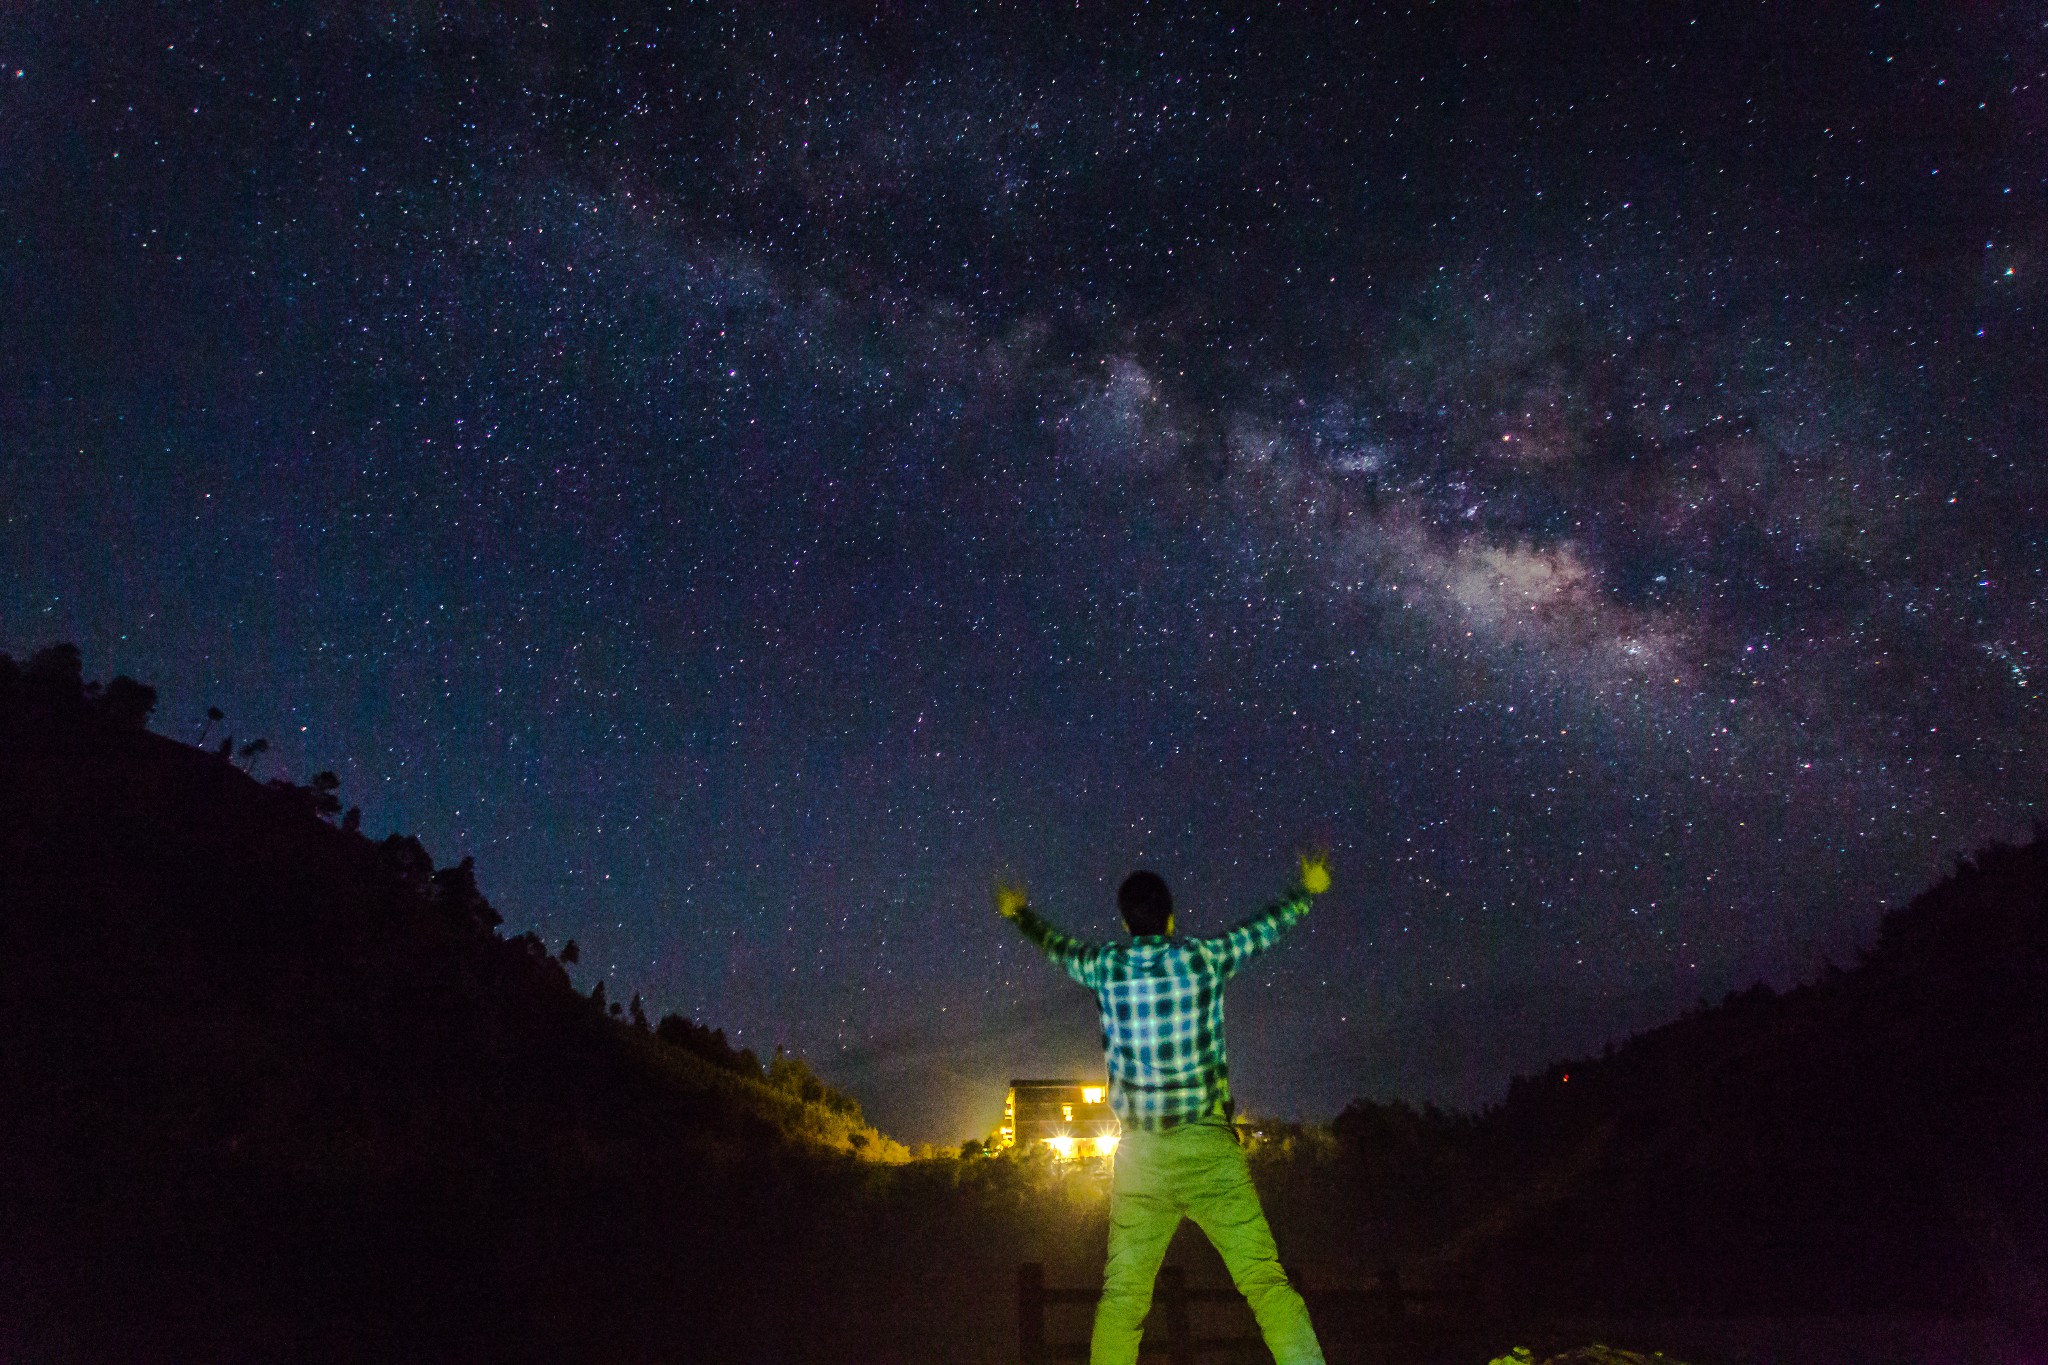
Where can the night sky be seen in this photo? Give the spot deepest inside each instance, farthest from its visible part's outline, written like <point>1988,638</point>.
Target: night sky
<point>750,474</point>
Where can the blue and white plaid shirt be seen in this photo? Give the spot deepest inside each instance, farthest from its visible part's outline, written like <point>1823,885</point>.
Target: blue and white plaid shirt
<point>1162,1009</point>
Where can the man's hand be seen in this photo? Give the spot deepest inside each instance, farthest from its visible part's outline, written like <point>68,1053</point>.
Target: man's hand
<point>1315,872</point>
<point>1012,898</point>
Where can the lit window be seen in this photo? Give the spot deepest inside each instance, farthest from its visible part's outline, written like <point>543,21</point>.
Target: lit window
<point>1067,1112</point>
<point>1062,1146</point>
<point>1091,1094</point>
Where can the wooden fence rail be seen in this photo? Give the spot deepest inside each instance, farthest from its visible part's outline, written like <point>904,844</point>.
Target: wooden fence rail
<point>1174,1338</point>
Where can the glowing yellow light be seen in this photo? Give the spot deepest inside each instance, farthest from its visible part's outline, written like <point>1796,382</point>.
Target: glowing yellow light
<point>1067,1112</point>
<point>1062,1146</point>
<point>1105,1144</point>
<point>1091,1094</point>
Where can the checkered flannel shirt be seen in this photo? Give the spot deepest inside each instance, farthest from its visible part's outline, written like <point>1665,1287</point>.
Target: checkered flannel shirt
<point>1162,1009</point>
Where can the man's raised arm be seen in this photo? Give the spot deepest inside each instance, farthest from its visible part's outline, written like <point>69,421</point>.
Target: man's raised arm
<point>1070,955</point>
<point>1240,945</point>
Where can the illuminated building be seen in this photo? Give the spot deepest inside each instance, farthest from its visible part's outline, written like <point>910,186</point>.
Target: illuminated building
<point>1073,1118</point>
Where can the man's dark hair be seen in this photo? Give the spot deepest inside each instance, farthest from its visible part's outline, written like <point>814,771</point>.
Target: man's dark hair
<point>1145,902</point>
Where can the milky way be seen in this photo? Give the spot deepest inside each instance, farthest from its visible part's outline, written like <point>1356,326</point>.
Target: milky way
<point>750,477</point>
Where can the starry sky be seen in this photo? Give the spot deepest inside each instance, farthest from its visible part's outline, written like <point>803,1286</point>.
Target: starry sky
<point>750,473</point>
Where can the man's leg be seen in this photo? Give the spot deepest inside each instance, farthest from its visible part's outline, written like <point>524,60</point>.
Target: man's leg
<point>1216,1186</point>
<point>1142,1217</point>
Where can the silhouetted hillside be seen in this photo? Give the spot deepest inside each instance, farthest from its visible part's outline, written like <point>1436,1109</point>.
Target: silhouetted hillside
<point>1870,1142</point>
<point>273,1090</point>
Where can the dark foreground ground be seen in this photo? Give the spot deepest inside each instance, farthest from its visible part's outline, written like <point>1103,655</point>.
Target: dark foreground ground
<point>1430,1329</point>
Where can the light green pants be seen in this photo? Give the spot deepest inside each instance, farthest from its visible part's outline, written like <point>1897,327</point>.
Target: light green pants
<point>1195,1170</point>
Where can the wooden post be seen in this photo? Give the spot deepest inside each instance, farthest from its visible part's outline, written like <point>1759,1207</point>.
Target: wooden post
<point>1173,1304</point>
<point>1031,1313</point>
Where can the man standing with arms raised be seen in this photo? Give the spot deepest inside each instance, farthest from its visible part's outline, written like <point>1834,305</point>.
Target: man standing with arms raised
<point>1161,999</point>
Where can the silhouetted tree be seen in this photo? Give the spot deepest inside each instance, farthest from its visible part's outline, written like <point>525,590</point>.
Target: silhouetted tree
<point>638,1013</point>
<point>316,797</point>
<point>324,785</point>
<point>530,943</point>
<point>55,677</point>
<point>127,702</point>
<point>455,891</point>
<point>792,1075</point>
<point>252,751</point>
<point>213,715</point>
<point>597,995</point>
<point>407,861</point>
<point>353,820</point>
<point>570,953</point>
<point>708,1043</point>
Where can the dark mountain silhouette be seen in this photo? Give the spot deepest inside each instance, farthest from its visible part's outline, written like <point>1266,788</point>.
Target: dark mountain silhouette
<point>271,1089</point>
<point>1871,1142</point>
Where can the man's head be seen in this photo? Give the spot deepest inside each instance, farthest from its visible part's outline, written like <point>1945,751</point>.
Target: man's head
<point>1146,904</point>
